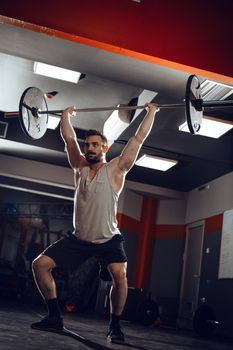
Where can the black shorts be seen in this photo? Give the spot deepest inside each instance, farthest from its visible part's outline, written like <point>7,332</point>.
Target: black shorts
<point>69,252</point>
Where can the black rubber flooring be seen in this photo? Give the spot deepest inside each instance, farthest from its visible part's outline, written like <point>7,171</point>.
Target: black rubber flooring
<point>15,333</point>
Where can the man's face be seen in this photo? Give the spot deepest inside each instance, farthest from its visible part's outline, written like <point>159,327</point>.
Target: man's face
<point>94,149</point>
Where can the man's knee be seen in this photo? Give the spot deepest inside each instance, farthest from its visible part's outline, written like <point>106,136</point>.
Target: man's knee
<point>118,273</point>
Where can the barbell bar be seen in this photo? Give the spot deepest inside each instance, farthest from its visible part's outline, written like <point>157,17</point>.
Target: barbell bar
<point>204,104</point>
<point>113,108</point>
<point>58,112</point>
<point>33,109</point>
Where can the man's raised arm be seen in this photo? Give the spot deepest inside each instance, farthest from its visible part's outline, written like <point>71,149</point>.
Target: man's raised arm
<point>68,135</point>
<point>131,150</point>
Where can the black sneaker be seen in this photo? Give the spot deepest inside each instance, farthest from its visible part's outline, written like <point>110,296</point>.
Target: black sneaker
<point>49,324</point>
<point>115,335</point>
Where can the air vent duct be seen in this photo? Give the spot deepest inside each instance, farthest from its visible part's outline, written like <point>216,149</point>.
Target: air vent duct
<point>215,91</point>
<point>3,129</point>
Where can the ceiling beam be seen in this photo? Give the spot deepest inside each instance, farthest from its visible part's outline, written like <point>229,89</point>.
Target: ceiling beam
<point>138,21</point>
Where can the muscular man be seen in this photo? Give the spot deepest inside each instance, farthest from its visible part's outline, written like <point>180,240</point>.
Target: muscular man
<point>98,185</point>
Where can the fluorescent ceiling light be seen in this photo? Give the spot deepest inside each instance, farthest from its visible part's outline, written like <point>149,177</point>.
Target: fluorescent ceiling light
<point>155,162</point>
<point>210,127</point>
<point>114,127</point>
<point>56,72</point>
<point>53,122</point>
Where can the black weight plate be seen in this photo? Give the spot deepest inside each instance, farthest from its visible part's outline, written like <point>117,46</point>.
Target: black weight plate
<point>33,124</point>
<point>193,115</point>
<point>125,115</point>
<point>204,321</point>
<point>147,312</point>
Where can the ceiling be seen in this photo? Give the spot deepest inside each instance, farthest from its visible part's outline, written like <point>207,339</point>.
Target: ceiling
<point>110,79</point>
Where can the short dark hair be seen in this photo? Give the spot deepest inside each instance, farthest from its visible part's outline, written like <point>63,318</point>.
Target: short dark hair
<point>93,132</point>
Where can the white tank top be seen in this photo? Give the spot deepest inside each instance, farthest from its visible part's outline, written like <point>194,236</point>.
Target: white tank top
<point>95,207</point>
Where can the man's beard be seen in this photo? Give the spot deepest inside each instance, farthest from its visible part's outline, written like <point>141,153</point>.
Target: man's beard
<point>92,158</point>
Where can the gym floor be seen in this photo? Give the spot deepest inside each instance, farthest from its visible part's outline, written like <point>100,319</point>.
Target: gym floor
<point>15,332</point>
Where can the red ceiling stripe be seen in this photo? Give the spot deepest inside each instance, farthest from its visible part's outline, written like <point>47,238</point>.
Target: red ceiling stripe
<point>118,50</point>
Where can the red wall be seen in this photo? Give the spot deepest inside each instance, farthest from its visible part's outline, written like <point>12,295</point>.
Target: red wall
<point>194,33</point>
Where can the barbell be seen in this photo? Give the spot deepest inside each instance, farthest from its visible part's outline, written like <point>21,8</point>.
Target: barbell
<point>33,109</point>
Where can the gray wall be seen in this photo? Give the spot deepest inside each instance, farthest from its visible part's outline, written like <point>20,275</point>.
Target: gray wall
<point>166,276</point>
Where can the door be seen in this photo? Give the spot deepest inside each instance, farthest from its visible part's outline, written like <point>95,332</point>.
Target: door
<point>191,274</point>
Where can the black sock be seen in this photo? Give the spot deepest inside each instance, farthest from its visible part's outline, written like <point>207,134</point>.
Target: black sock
<point>114,321</point>
<point>53,308</point>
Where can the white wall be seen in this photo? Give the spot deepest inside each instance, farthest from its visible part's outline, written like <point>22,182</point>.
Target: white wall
<point>215,199</point>
<point>34,171</point>
<point>178,208</point>
<point>171,212</point>
<point>170,201</point>
<point>132,204</point>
